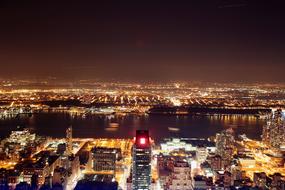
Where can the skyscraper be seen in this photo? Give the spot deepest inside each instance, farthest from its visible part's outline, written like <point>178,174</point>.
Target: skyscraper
<point>274,131</point>
<point>69,141</point>
<point>225,145</point>
<point>141,168</point>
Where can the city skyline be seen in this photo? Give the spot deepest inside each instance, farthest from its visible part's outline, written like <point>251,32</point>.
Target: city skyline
<point>213,41</point>
<point>142,95</point>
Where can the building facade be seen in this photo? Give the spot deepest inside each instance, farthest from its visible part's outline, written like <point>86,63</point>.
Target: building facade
<point>141,167</point>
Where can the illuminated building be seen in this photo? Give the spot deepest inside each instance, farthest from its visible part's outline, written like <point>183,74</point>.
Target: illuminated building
<point>181,176</point>
<point>141,167</point>
<point>237,173</point>
<point>174,173</point>
<point>247,162</point>
<point>22,137</point>
<point>104,159</point>
<point>277,181</point>
<point>89,164</point>
<point>69,145</point>
<point>9,178</point>
<point>206,169</point>
<point>266,133</point>
<point>224,179</point>
<point>260,180</point>
<point>200,182</point>
<point>216,162</point>
<point>66,175</point>
<point>97,181</point>
<point>20,144</point>
<point>165,166</point>
<point>16,142</point>
<point>201,154</point>
<point>274,131</point>
<point>225,145</point>
<point>175,144</point>
<point>42,168</point>
<point>187,144</point>
<point>60,177</point>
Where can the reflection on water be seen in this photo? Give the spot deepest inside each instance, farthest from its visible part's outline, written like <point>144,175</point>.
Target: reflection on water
<point>54,124</point>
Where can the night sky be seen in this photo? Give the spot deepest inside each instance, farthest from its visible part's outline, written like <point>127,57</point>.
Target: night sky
<point>194,40</point>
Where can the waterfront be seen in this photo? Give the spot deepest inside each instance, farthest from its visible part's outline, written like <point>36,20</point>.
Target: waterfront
<point>118,126</point>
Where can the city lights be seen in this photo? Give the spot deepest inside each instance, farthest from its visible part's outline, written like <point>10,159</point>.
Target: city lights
<point>149,95</point>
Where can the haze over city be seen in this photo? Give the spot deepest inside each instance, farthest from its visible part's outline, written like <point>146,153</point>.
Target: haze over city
<point>213,41</point>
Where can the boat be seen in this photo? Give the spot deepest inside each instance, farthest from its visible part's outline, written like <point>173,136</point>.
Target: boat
<point>174,129</point>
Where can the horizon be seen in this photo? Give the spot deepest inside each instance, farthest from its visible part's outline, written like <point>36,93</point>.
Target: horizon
<point>89,81</point>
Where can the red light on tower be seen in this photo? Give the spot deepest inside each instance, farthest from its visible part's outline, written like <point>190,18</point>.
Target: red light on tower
<point>142,141</point>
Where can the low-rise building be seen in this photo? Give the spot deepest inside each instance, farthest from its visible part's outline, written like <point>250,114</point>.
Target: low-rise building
<point>42,168</point>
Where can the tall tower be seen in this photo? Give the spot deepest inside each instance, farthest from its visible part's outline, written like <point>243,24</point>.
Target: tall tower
<point>225,145</point>
<point>141,168</point>
<point>274,131</point>
<point>69,148</point>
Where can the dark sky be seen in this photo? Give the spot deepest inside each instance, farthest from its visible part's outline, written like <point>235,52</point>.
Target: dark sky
<point>215,40</point>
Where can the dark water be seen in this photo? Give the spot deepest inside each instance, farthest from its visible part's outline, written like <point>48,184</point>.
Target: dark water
<point>55,124</point>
